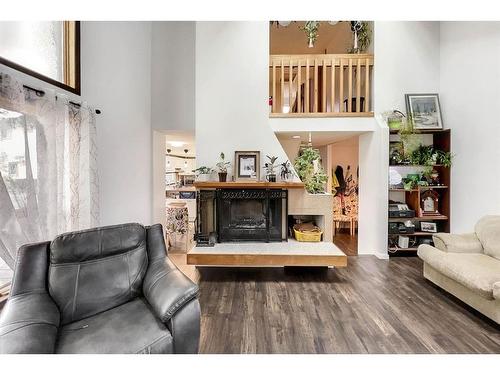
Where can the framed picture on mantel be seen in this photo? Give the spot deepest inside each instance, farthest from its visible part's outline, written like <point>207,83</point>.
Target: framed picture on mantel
<point>247,165</point>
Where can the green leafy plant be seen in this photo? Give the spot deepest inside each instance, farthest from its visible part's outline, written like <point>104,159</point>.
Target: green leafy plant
<point>412,181</point>
<point>311,29</point>
<point>270,165</point>
<point>445,158</point>
<point>222,165</point>
<point>364,35</point>
<point>203,170</point>
<point>311,174</point>
<point>410,138</point>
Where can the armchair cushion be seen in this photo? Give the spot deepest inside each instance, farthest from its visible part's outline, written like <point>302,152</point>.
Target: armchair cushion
<point>488,232</point>
<point>29,324</point>
<point>457,243</point>
<point>95,270</point>
<point>128,329</point>
<point>167,289</point>
<point>477,272</point>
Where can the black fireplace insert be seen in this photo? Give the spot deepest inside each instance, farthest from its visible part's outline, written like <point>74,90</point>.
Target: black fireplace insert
<point>237,215</point>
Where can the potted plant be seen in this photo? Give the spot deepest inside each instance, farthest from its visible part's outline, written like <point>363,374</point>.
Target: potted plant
<point>286,171</point>
<point>309,170</point>
<point>362,36</point>
<point>311,30</point>
<point>270,173</point>
<point>222,167</point>
<point>203,173</point>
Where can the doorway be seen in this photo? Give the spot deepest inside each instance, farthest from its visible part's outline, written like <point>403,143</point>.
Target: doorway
<point>340,161</point>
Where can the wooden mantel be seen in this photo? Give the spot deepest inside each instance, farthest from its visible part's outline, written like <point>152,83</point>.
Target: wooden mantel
<point>248,185</point>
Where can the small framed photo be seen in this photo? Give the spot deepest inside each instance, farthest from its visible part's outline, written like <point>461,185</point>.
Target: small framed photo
<point>428,227</point>
<point>425,111</point>
<point>247,165</point>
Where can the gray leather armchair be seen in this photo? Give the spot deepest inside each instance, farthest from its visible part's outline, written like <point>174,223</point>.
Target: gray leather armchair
<point>103,290</point>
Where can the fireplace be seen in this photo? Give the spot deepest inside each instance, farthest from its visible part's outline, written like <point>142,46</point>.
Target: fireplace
<point>251,215</point>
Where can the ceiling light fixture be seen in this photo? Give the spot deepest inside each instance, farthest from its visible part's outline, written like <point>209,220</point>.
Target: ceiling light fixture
<point>284,23</point>
<point>295,136</point>
<point>176,143</point>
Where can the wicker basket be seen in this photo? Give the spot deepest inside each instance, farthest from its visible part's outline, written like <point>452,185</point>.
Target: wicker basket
<point>307,236</point>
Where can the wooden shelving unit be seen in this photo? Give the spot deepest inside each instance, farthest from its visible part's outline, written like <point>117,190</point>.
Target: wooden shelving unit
<point>441,140</point>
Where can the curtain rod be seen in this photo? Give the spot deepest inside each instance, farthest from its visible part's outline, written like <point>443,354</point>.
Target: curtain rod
<point>41,93</point>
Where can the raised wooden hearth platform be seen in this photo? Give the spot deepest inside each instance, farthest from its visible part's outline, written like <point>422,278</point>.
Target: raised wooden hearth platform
<point>273,254</point>
<point>248,185</point>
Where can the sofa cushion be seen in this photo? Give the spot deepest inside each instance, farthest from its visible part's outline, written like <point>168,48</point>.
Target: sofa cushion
<point>129,328</point>
<point>496,290</point>
<point>477,272</point>
<point>95,270</point>
<point>488,231</point>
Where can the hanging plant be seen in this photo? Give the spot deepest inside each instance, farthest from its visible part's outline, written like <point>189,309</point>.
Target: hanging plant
<point>362,36</point>
<point>310,172</point>
<point>311,29</point>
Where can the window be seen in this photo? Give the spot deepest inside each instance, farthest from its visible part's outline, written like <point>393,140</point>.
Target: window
<point>49,51</point>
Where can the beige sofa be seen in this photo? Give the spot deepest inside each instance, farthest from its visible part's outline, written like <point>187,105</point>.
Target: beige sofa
<point>468,265</point>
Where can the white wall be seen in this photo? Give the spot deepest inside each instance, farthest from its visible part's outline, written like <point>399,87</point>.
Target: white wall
<point>232,91</point>
<point>173,75</point>
<point>406,61</point>
<point>159,168</point>
<point>116,77</point>
<point>470,98</point>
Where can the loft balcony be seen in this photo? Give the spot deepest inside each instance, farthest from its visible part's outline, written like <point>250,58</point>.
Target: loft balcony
<point>322,85</point>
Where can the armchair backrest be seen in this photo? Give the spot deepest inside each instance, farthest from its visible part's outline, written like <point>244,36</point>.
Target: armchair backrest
<point>94,270</point>
<point>488,232</point>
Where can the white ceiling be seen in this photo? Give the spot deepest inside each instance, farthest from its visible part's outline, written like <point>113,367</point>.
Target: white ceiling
<point>320,138</point>
<point>188,140</point>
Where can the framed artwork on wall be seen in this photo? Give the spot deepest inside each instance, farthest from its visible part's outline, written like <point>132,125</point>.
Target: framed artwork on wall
<point>247,165</point>
<point>425,111</point>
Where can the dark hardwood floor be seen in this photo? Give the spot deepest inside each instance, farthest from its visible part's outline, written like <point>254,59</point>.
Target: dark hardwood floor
<point>345,242</point>
<point>372,306</point>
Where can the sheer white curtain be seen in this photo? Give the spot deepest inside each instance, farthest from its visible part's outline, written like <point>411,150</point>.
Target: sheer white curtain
<point>48,167</point>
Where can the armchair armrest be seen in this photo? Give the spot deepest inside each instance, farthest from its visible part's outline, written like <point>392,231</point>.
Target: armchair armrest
<point>167,289</point>
<point>457,243</point>
<point>29,324</point>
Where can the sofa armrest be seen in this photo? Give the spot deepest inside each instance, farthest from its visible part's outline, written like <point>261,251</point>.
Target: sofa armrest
<point>457,243</point>
<point>29,324</point>
<point>167,289</point>
<point>496,290</point>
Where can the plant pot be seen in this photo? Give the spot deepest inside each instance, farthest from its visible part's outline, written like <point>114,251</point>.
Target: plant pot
<point>203,177</point>
<point>271,177</point>
<point>222,177</point>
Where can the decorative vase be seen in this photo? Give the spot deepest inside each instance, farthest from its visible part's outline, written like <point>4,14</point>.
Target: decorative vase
<point>222,176</point>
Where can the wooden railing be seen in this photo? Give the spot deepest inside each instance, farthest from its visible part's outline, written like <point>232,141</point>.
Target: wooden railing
<point>321,85</point>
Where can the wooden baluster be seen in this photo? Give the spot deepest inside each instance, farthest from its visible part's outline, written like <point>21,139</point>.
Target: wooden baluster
<point>282,86</point>
<point>307,86</point>
<point>349,87</point>
<point>367,85</point>
<point>290,79</point>
<point>315,85</point>
<point>323,88</point>
<point>341,85</point>
<point>358,86</point>
<point>332,96</point>
<point>299,84</point>
<point>274,87</point>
